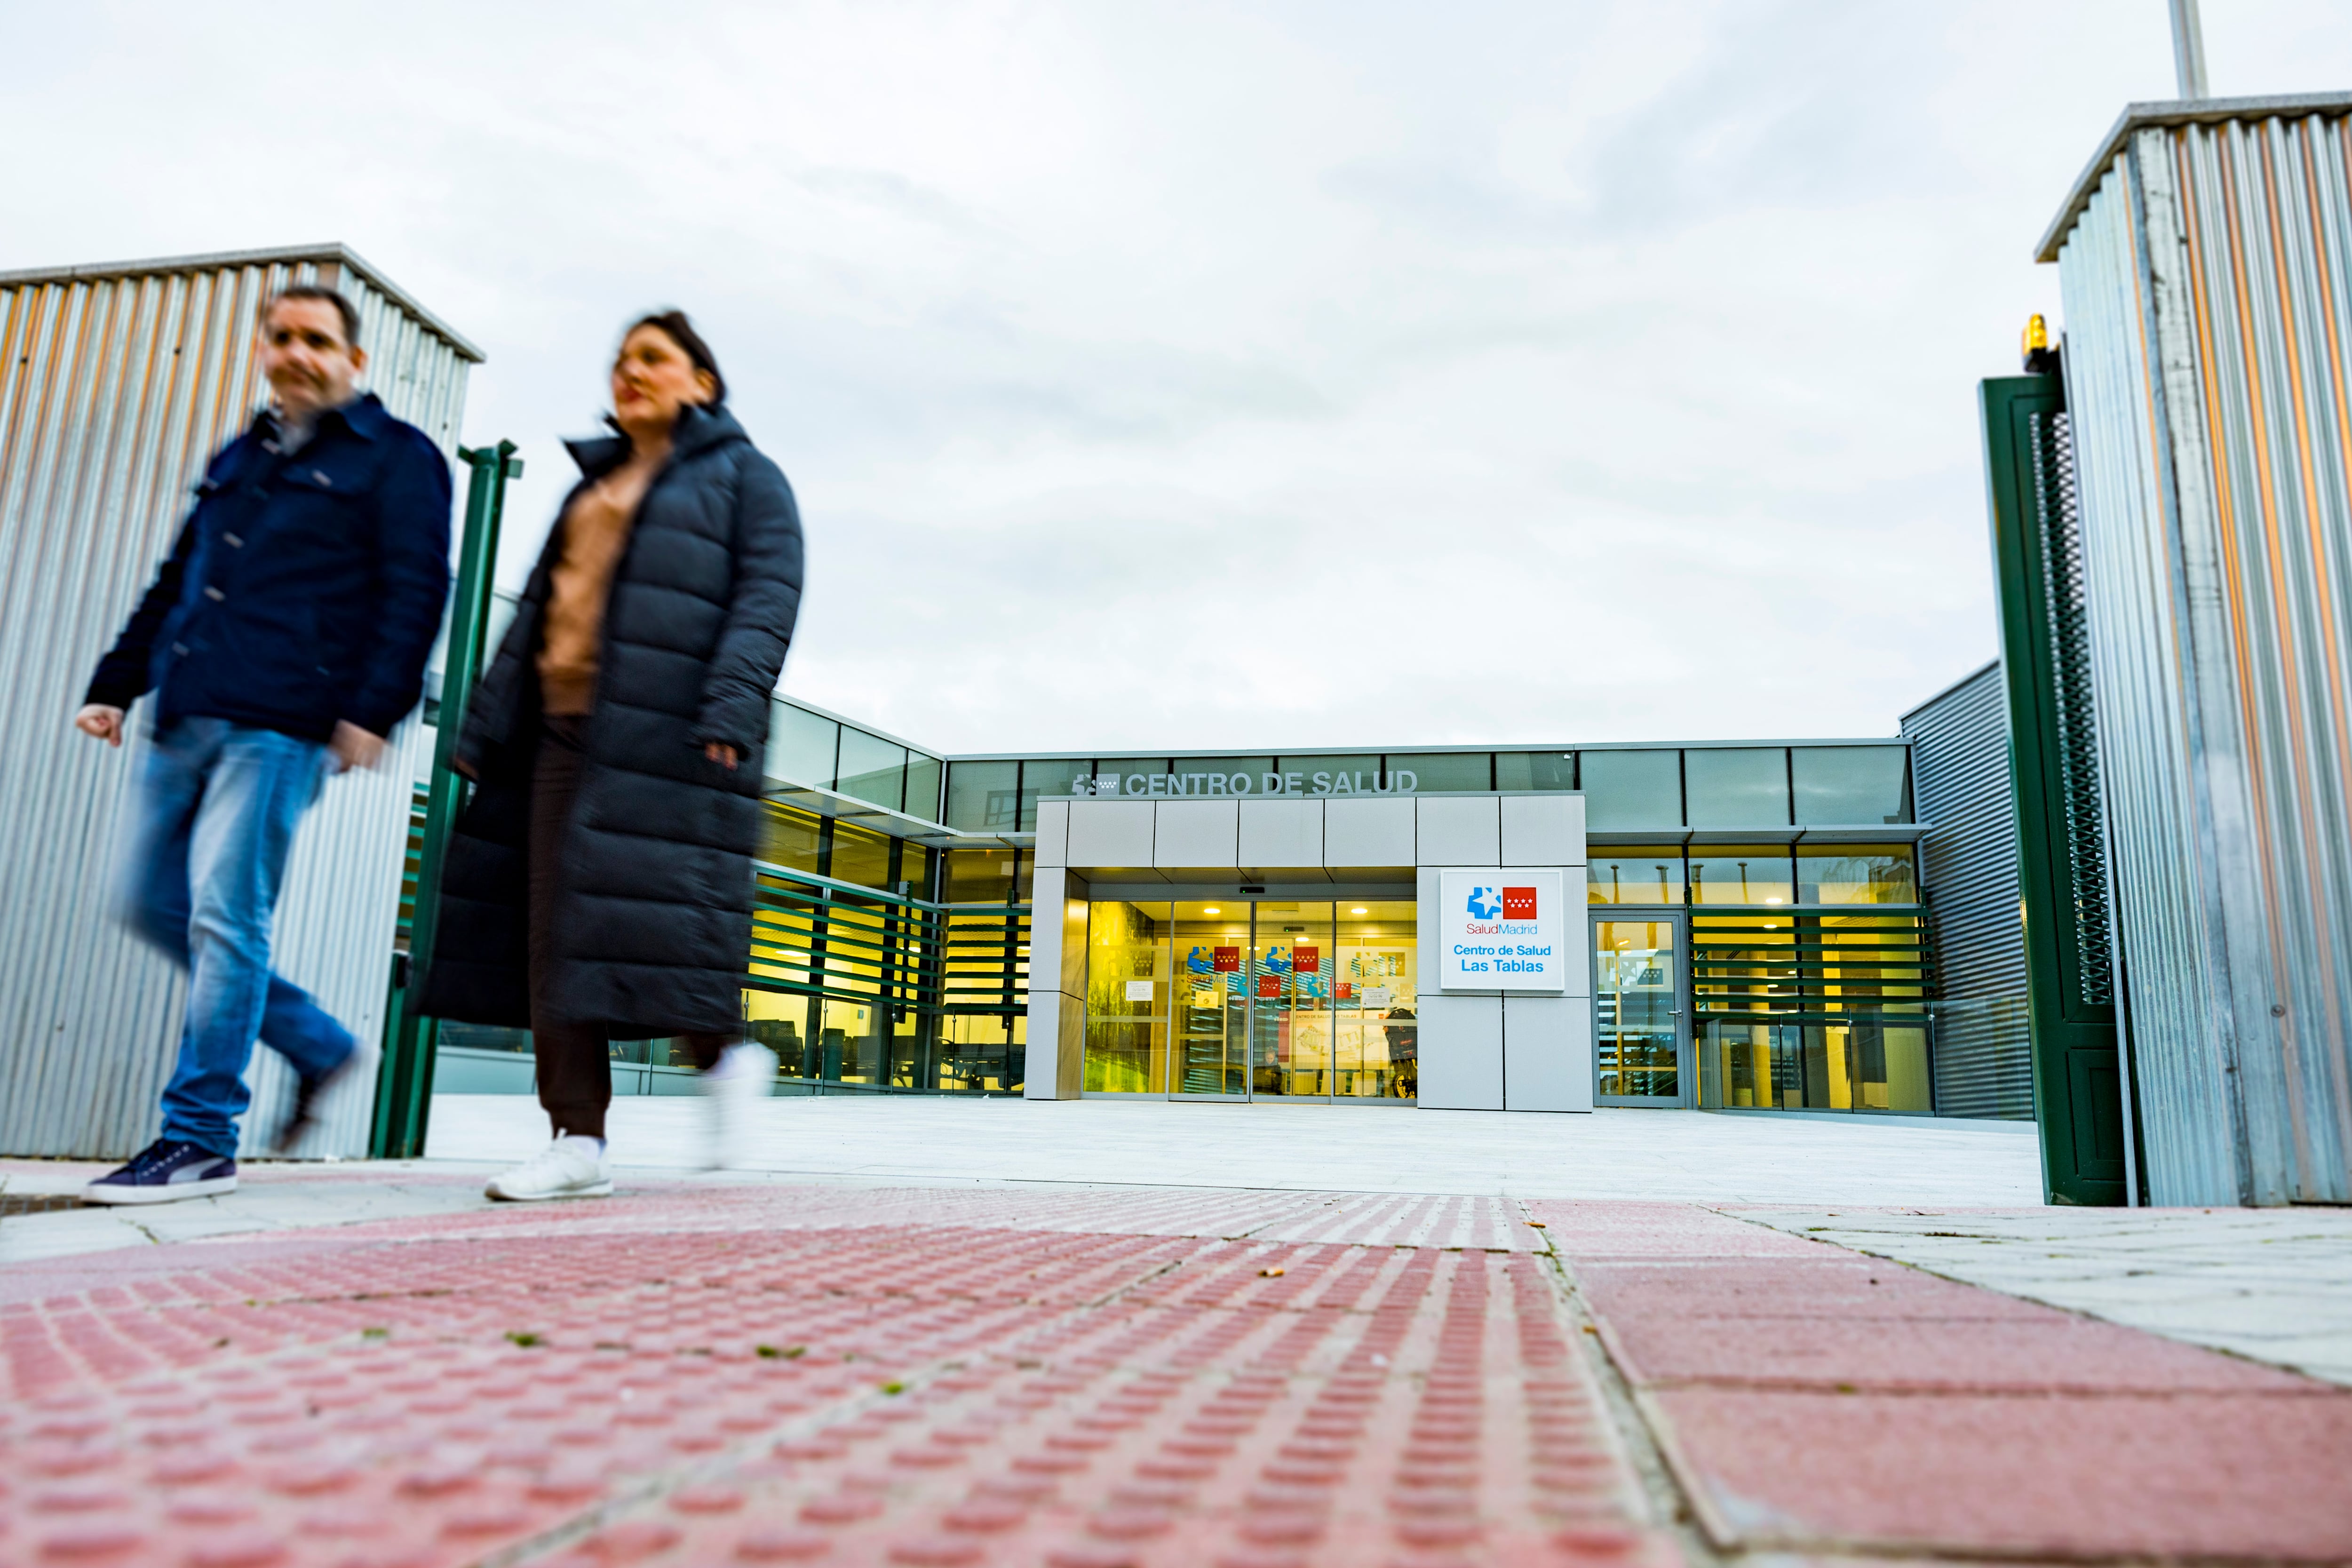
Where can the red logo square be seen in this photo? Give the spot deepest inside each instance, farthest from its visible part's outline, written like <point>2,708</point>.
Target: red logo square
<point>1269,985</point>
<point>1229,960</point>
<point>1518,903</point>
<point>1346,991</point>
<point>1307,960</point>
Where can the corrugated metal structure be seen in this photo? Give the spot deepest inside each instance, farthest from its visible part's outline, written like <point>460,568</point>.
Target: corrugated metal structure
<point>117,383</point>
<point>1968,868</point>
<point>2205,259</point>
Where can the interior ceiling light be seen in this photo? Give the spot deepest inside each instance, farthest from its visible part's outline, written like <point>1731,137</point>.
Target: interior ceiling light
<point>1212,909</point>
<point>1359,912</point>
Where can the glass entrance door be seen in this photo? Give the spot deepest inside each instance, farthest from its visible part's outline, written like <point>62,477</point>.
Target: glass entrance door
<point>1375,1031</point>
<point>1290,996</point>
<point>1265,999</point>
<point>1212,1003</point>
<point>1641,1039</point>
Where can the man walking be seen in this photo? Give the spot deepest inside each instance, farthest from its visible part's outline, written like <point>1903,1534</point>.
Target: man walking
<point>284,639</point>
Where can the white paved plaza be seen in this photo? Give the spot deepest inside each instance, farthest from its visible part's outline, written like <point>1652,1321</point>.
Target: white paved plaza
<point>1680,1155</point>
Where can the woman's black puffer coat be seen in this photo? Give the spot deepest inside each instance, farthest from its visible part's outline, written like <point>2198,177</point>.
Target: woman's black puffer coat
<point>653,923</point>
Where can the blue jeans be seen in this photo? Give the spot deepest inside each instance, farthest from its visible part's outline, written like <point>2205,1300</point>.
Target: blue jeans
<point>218,804</point>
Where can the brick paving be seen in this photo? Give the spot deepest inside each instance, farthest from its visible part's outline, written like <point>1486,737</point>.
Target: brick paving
<point>691,1375</point>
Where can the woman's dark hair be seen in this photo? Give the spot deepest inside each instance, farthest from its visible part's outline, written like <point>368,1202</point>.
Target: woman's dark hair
<point>674,325</point>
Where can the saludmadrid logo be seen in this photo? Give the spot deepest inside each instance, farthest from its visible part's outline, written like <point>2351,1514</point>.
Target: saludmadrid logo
<point>1497,910</point>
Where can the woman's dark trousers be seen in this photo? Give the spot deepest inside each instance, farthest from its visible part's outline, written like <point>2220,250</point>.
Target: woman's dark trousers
<point>575,1063</point>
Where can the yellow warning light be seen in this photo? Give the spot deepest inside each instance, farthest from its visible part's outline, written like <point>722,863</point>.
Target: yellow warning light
<point>2036,335</point>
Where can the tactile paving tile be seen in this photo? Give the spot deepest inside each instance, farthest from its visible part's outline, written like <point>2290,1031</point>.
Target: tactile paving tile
<point>733,1383</point>
<point>1364,1219</point>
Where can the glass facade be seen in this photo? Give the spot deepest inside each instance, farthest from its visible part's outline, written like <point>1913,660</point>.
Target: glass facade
<point>1804,1010</point>
<point>1851,783</point>
<point>1742,786</point>
<point>1807,982</point>
<point>1242,999</point>
<point>808,748</point>
<point>1626,789</point>
<point>1739,975</point>
<point>872,769</point>
<point>1632,790</point>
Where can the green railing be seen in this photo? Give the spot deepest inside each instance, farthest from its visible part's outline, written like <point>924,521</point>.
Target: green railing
<point>1810,966</point>
<point>816,936</point>
<point>839,941</point>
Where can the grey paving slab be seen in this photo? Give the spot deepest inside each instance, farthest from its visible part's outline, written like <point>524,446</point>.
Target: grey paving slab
<point>1663,1155</point>
<point>2272,1285</point>
<point>268,1199</point>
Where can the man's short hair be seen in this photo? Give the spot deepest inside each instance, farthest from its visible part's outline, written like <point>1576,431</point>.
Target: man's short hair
<point>344,308</point>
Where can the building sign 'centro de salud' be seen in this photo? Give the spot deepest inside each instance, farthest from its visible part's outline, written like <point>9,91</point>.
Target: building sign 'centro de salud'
<point>1315,782</point>
<point>1501,931</point>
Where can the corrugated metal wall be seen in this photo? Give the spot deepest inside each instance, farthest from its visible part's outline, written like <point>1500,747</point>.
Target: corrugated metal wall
<point>1968,861</point>
<point>2208,289</point>
<point>116,385</point>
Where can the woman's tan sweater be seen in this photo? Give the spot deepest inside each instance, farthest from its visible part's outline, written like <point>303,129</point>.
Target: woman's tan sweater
<point>595,531</point>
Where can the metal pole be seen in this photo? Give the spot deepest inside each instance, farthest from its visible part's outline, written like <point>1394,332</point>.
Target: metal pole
<point>2187,48</point>
<point>404,1099</point>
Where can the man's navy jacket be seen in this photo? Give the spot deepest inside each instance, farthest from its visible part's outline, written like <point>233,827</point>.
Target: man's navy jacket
<point>305,588</point>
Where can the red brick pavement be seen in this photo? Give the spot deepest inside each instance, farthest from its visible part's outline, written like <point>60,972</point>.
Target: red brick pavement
<point>691,1375</point>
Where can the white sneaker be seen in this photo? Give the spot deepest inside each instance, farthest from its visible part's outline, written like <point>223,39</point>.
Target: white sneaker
<point>571,1167</point>
<point>743,1073</point>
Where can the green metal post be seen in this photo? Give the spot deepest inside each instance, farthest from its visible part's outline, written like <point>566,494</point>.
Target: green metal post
<point>404,1092</point>
<point>2077,1078</point>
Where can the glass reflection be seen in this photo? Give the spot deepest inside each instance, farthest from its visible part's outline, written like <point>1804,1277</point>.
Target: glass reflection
<point>1128,989</point>
<point>1741,874</point>
<point>1632,790</point>
<point>1635,874</point>
<point>1737,786</point>
<point>1375,1032</point>
<point>1856,874</point>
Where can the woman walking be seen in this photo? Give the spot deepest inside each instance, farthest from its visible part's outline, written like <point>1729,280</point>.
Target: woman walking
<point>598,886</point>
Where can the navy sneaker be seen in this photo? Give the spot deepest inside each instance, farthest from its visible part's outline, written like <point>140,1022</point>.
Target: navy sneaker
<point>303,1114</point>
<point>165,1172</point>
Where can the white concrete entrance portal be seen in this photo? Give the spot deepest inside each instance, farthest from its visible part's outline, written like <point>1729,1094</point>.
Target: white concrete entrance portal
<point>1479,1049</point>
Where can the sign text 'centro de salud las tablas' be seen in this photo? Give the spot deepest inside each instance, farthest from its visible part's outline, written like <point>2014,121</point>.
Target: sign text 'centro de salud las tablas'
<point>1500,930</point>
<point>1402,781</point>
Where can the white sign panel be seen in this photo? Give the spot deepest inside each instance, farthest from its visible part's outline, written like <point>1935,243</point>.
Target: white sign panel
<point>1502,930</point>
<point>1138,989</point>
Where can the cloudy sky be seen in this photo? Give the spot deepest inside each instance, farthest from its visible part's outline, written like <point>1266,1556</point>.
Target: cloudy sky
<point>1264,376</point>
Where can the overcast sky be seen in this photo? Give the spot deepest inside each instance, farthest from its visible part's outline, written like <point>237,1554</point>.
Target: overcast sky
<point>1159,377</point>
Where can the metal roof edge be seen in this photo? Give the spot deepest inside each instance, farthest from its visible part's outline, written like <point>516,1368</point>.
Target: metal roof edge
<point>2171,111</point>
<point>805,705</point>
<point>1976,674</point>
<point>1447,750</point>
<point>334,250</point>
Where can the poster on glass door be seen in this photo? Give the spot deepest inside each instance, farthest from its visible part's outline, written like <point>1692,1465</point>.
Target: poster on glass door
<point>1502,930</point>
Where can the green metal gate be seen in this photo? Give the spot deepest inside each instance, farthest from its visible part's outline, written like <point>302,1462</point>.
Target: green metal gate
<point>403,1092</point>
<point>2071,960</point>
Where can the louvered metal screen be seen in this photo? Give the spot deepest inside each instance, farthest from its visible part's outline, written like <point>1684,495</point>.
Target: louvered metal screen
<point>2059,517</point>
<point>1968,868</point>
